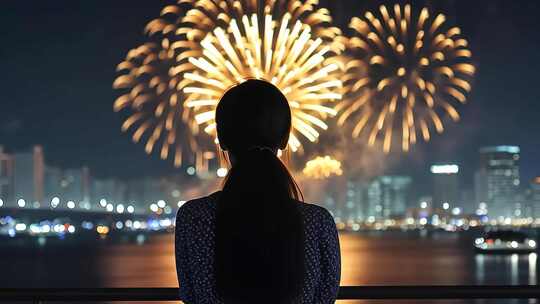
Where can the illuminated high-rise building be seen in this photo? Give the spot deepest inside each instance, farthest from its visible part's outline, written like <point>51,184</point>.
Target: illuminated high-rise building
<point>53,188</point>
<point>68,185</point>
<point>534,198</point>
<point>497,180</point>
<point>143,192</point>
<point>29,174</point>
<point>445,185</point>
<point>388,196</point>
<point>111,190</point>
<point>355,201</point>
<point>6,177</point>
<point>76,186</point>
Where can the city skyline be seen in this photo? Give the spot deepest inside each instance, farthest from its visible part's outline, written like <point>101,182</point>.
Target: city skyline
<point>64,87</point>
<point>27,180</point>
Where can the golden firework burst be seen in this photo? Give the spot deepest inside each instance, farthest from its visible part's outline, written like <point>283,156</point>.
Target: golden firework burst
<point>403,73</point>
<point>156,113</point>
<point>218,44</point>
<point>322,168</point>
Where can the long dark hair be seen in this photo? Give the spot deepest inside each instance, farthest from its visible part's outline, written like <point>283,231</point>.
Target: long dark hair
<point>259,255</point>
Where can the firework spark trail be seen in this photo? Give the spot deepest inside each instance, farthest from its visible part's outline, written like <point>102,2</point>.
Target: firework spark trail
<point>403,73</point>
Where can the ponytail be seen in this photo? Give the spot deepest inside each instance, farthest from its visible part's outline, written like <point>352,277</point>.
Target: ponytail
<point>259,232</point>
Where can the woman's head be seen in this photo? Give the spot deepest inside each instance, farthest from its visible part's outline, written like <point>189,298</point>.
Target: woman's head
<point>253,114</point>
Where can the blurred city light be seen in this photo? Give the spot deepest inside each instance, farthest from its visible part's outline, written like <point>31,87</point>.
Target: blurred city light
<point>21,203</point>
<point>444,169</point>
<point>103,202</point>
<point>20,227</point>
<point>222,172</point>
<point>102,229</point>
<point>55,201</point>
<point>120,208</point>
<point>130,209</point>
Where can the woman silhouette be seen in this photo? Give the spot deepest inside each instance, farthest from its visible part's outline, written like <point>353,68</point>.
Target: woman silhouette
<point>255,241</point>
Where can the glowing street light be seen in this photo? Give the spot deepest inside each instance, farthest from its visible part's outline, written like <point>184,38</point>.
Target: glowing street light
<point>120,208</point>
<point>222,172</point>
<point>191,171</point>
<point>130,209</point>
<point>71,204</point>
<point>21,203</point>
<point>55,201</point>
<point>445,169</point>
<point>20,227</point>
<point>167,210</point>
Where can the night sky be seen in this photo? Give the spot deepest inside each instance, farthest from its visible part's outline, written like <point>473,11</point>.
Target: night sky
<point>58,62</point>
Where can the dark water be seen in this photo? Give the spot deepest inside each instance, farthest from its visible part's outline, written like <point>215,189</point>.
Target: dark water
<point>367,259</point>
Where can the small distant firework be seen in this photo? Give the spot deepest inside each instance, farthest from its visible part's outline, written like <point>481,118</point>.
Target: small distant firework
<point>219,44</point>
<point>322,168</point>
<point>157,115</point>
<point>403,73</point>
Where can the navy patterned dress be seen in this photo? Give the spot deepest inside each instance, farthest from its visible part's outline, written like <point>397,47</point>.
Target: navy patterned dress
<point>194,246</point>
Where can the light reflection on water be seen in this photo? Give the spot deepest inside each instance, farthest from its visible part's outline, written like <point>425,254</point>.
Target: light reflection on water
<point>532,268</point>
<point>378,259</point>
<point>367,259</point>
<point>129,265</point>
<point>395,260</point>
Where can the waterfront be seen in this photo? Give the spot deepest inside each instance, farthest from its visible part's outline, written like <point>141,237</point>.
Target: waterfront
<point>377,258</point>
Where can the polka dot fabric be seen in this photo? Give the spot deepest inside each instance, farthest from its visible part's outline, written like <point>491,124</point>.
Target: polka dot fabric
<point>194,246</point>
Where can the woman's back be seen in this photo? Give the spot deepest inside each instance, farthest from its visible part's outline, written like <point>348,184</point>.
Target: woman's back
<point>195,252</point>
<point>254,242</point>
